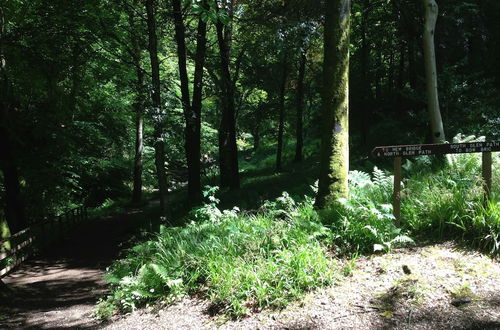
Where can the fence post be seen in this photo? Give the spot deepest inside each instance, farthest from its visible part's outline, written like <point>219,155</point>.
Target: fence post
<point>396,198</point>
<point>486,171</point>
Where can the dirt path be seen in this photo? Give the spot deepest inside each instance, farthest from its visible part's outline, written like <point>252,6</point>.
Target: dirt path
<point>59,289</point>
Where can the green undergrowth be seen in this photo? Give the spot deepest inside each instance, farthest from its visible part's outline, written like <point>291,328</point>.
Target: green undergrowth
<point>274,251</point>
<point>449,203</point>
<point>241,262</point>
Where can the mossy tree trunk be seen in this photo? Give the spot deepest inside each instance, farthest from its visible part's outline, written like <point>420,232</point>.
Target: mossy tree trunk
<point>14,206</point>
<point>334,162</point>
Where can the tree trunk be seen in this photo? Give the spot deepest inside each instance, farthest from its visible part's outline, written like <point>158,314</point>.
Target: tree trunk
<point>431,14</point>
<point>300,108</point>
<point>412,70</point>
<point>334,163</point>
<point>192,112</point>
<point>156,100</point>
<point>281,123</point>
<point>139,113</point>
<point>14,208</point>
<point>139,144</point>
<point>228,151</point>
<point>366,112</point>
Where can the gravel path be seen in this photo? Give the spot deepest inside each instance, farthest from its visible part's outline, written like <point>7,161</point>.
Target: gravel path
<point>59,289</point>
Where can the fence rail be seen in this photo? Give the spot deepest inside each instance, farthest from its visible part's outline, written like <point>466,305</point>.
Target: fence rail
<point>18,247</point>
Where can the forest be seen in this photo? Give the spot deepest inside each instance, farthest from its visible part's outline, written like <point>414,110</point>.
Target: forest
<point>230,143</point>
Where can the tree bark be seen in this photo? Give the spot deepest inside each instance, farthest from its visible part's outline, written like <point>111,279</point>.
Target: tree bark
<point>192,111</point>
<point>431,14</point>
<point>228,151</point>
<point>281,122</point>
<point>139,112</point>
<point>334,163</point>
<point>14,207</point>
<point>156,100</point>
<point>139,138</point>
<point>299,135</point>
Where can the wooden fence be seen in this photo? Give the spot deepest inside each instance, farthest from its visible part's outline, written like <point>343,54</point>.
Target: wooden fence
<point>18,247</point>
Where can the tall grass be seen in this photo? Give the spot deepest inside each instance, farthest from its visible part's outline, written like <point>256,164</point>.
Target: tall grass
<point>449,203</point>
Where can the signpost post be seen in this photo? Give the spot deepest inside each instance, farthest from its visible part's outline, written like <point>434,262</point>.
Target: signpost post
<point>486,148</point>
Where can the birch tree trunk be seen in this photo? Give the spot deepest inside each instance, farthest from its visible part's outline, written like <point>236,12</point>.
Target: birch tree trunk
<point>334,162</point>
<point>431,13</point>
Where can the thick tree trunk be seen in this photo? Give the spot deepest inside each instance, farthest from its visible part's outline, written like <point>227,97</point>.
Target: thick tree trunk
<point>299,135</point>
<point>281,122</point>
<point>192,112</point>
<point>14,208</point>
<point>156,100</point>
<point>431,14</point>
<point>334,163</point>
<point>228,151</point>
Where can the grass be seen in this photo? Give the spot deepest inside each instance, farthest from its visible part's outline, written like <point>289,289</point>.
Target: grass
<point>275,251</point>
<point>242,263</point>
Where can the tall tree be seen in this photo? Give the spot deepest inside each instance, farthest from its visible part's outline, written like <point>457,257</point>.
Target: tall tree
<point>299,135</point>
<point>192,110</point>
<point>334,162</point>
<point>431,14</point>
<point>139,104</point>
<point>228,150</point>
<point>157,106</point>
<point>281,109</point>
<point>14,208</point>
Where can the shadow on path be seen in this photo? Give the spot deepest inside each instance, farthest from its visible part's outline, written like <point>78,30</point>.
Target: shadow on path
<point>59,288</point>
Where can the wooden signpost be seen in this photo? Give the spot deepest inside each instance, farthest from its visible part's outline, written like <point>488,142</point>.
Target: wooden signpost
<point>435,149</point>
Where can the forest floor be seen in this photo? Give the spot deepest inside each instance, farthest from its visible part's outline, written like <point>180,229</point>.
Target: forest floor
<point>447,288</point>
<point>59,288</point>
<point>377,294</point>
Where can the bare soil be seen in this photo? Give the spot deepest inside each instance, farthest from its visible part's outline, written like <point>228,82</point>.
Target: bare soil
<point>60,290</point>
